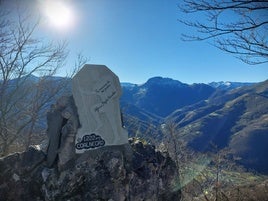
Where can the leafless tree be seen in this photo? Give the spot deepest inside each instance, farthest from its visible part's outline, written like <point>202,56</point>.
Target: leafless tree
<point>203,176</point>
<point>176,147</point>
<point>24,96</point>
<point>239,27</point>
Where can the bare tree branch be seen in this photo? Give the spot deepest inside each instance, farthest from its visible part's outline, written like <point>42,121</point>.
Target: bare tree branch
<point>239,27</point>
<point>22,56</point>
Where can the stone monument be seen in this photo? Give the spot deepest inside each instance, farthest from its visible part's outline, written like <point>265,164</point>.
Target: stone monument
<point>96,92</point>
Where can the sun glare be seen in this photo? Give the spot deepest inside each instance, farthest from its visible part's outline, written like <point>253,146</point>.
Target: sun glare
<point>58,14</point>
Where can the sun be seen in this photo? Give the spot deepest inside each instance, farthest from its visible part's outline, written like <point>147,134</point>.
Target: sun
<point>58,14</point>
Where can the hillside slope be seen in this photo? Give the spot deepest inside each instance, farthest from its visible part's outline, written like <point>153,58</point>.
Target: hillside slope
<point>236,119</point>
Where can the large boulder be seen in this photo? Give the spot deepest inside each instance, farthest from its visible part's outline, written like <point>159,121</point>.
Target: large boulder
<point>105,175</point>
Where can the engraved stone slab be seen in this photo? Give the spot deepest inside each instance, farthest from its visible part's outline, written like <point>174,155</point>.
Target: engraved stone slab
<point>96,91</point>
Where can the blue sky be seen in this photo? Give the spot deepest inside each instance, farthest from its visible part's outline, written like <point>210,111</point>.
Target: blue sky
<point>139,39</point>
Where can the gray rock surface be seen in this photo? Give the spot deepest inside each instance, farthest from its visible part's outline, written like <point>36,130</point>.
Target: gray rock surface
<point>63,122</point>
<point>106,175</point>
<point>20,176</point>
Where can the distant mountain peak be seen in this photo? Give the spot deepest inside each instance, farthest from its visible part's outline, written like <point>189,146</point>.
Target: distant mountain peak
<point>128,84</point>
<point>163,81</point>
<point>229,85</point>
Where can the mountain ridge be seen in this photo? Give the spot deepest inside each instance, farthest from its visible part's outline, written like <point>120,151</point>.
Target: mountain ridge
<point>236,120</point>
<point>155,95</point>
<point>201,112</point>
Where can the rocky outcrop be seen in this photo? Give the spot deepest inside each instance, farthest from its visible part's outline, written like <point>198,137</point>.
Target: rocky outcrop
<point>20,176</point>
<point>104,175</point>
<point>62,121</point>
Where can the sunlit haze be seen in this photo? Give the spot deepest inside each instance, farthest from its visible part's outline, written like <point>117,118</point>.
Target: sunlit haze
<point>58,14</point>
